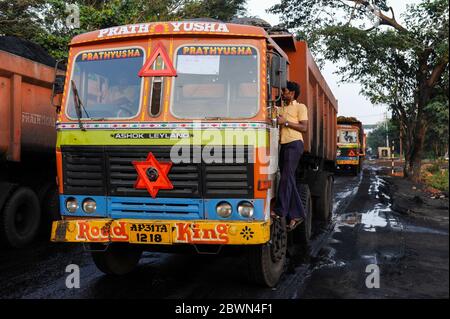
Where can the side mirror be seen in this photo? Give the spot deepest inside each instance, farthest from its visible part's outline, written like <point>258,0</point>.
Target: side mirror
<point>278,76</point>
<point>58,85</point>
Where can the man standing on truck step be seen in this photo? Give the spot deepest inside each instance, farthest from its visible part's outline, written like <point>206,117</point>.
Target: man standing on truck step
<point>293,120</point>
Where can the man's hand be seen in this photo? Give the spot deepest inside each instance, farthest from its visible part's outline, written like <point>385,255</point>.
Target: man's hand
<point>281,120</point>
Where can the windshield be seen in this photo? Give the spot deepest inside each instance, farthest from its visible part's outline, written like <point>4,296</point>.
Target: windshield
<point>347,136</point>
<point>216,82</point>
<point>108,83</point>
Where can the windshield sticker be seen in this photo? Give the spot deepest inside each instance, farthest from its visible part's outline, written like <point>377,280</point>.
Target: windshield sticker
<point>205,65</point>
<point>217,50</point>
<point>110,55</point>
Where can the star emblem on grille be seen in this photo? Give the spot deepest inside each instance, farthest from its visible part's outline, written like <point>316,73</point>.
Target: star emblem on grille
<point>152,175</point>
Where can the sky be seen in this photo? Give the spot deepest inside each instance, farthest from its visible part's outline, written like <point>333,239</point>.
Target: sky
<point>351,103</point>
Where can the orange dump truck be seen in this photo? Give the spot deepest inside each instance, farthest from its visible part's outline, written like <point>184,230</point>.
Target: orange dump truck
<point>167,141</point>
<point>27,141</point>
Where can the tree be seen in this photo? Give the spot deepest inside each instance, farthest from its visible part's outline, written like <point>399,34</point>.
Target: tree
<point>20,18</point>
<point>403,66</point>
<point>44,21</point>
<point>436,142</point>
<point>222,10</point>
<point>377,138</point>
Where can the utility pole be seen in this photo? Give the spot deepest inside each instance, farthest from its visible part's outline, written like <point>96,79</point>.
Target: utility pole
<point>387,130</point>
<point>392,158</point>
<point>401,139</point>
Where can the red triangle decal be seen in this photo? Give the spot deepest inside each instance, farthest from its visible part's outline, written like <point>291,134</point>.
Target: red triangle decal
<point>159,51</point>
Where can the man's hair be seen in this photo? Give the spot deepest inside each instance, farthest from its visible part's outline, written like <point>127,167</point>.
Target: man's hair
<point>294,87</point>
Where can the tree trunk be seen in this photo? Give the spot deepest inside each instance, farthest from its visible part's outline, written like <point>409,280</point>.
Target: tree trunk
<point>414,157</point>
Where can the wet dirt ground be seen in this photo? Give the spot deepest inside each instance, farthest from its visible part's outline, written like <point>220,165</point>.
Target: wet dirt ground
<point>412,257</point>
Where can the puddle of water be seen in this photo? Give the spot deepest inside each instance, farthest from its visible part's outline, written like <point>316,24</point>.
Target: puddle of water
<point>376,188</point>
<point>339,197</point>
<point>380,217</point>
<point>371,220</point>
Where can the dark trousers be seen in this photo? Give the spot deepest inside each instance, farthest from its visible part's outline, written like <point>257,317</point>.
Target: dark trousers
<point>288,202</point>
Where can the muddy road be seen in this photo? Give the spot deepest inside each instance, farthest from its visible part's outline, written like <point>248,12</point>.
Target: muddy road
<point>412,257</point>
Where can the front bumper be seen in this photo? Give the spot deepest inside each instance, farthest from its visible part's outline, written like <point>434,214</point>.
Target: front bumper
<point>347,161</point>
<point>161,232</point>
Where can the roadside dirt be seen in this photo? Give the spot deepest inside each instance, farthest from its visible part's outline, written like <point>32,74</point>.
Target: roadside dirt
<point>416,201</point>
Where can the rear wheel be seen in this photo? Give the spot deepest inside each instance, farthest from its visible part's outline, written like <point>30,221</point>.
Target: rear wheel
<point>266,262</point>
<point>322,206</point>
<point>331,197</point>
<point>118,259</point>
<point>20,218</point>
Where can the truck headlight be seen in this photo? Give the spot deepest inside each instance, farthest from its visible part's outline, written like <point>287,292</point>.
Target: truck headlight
<point>224,209</point>
<point>89,206</point>
<point>71,205</point>
<point>246,209</point>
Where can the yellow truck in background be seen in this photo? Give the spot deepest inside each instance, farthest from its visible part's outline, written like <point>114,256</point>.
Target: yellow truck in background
<point>351,145</point>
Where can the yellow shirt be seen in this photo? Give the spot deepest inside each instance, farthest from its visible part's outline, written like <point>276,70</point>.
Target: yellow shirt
<point>294,113</point>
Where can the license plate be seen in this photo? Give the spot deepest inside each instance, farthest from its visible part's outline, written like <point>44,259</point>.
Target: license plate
<point>150,233</point>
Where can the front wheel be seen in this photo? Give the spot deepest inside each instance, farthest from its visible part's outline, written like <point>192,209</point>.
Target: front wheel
<point>118,259</point>
<point>266,262</point>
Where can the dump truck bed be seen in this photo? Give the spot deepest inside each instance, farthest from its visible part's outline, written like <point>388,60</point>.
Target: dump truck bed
<point>320,141</point>
<point>27,118</point>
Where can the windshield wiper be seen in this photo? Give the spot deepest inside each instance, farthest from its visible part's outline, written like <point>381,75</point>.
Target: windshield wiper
<point>78,105</point>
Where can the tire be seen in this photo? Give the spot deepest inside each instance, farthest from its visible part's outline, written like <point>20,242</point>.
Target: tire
<point>20,218</point>
<point>50,209</point>
<point>331,197</point>
<point>321,203</point>
<point>118,259</point>
<point>299,238</point>
<point>266,263</point>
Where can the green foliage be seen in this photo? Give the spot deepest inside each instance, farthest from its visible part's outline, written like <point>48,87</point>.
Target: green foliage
<point>44,21</point>
<point>377,138</point>
<point>218,9</point>
<point>436,143</point>
<point>434,168</point>
<point>439,180</point>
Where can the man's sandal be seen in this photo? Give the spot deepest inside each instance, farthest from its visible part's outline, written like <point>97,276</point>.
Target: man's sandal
<point>294,224</point>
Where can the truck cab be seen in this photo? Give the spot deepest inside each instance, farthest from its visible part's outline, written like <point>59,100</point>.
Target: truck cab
<point>350,145</point>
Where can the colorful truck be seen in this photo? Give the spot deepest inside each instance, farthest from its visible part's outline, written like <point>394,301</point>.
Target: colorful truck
<point>167,141</point>
<point>28,196</point>
<point>351,145</point>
